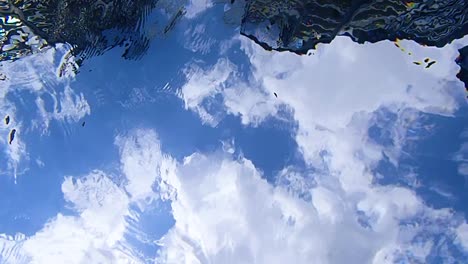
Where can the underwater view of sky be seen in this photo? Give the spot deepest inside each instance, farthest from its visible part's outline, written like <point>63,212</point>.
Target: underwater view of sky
<point>211,149</point>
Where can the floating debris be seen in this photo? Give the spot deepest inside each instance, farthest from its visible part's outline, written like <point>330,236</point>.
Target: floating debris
<point>427,61</point>
<point>430,64</point>
<point>2,77</point>
<point>83,124</point>
<point>7,120</point>
<point>398,45</point>
<point>275,95</point>
<point>11,136</point>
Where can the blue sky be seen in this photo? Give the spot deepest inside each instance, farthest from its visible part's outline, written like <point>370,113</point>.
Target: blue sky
<point>188,157</point>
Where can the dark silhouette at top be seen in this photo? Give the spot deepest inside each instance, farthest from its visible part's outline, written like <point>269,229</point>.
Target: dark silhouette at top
<point>299,25</point>
<point>90,26</point>
<point>462,61</point>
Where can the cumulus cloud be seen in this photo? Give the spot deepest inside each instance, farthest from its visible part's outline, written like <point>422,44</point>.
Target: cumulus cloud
<point>365,78</point>
<point>334,96</point>
<point>222,79</point>
<point>204,85</point>
<point>226,213</point>
<point>142,162</point>
<point>92,236</point>
<point>98,230</point>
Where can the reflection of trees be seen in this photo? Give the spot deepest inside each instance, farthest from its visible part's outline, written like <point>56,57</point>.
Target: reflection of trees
<point>90,26</point>
<point>298,25</point>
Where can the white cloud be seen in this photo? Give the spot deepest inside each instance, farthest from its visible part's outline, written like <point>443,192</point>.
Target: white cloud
<point>44,74</point>
<point>10,249</point>
<point>15,152</point>
<point>141,162</point>
<point>222,79</point>
<point>226,213</point>
<point>251,105</point>
<point>195,7</point>
<point>68,106</point>
<point>462,235</point>
<point>98,232</point>
<point>204,84</point>
<point>333,97</point>
<point>334,93</point>
<point>92,236</point>
<point>347,81</point>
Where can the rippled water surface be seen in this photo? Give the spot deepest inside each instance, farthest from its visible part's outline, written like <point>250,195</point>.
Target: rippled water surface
<point>240,131</point>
